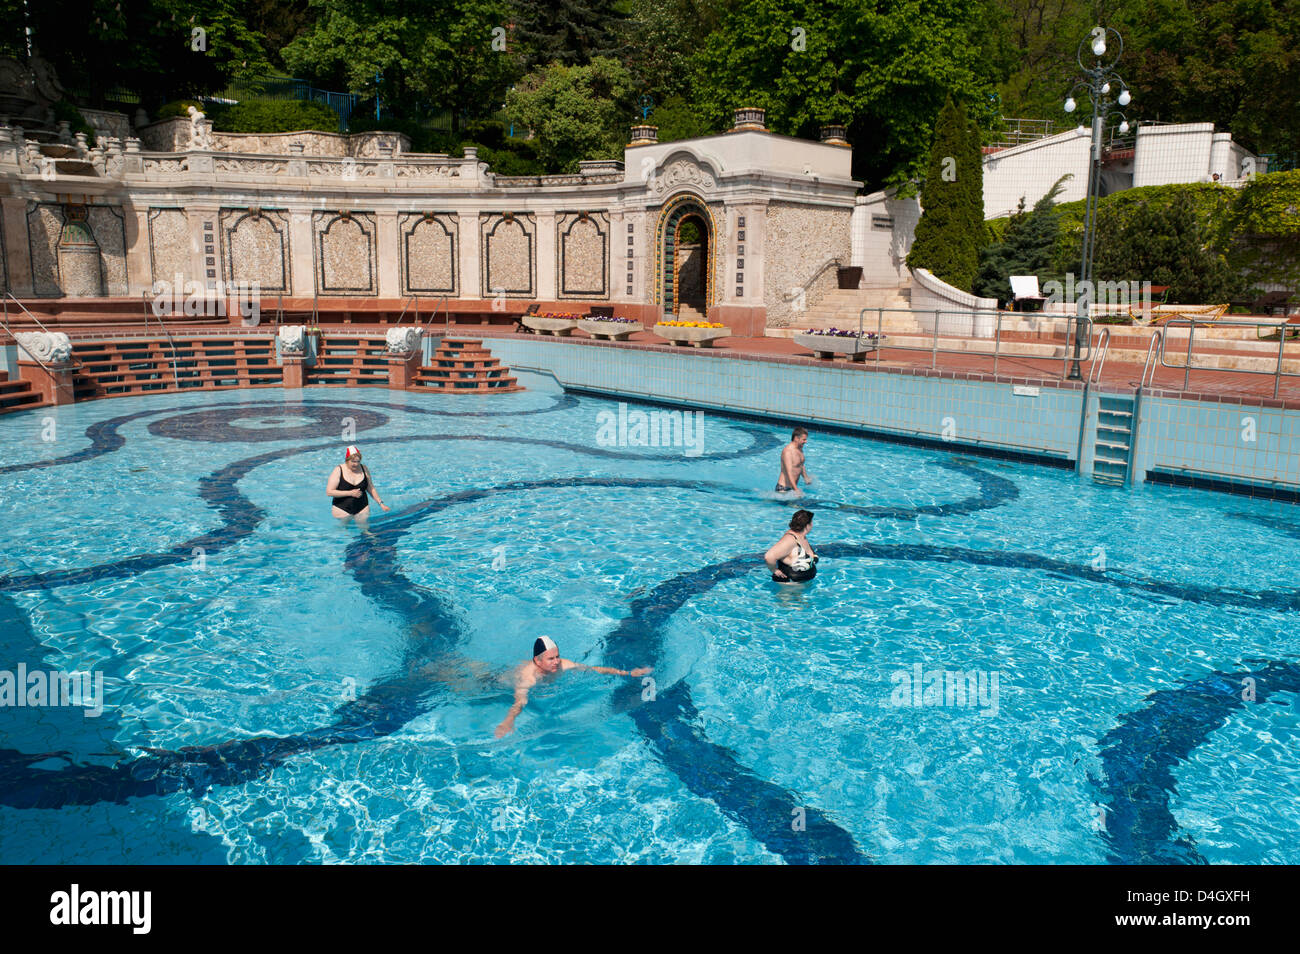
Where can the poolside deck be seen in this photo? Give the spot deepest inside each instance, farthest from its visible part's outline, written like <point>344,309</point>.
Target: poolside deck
<point>1222,386</point>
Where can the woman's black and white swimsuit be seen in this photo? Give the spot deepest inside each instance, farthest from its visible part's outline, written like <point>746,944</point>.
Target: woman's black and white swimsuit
<point>799,557</point>
<point>352,505</point>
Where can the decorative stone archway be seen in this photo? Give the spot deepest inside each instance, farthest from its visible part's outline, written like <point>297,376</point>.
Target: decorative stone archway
<point>668,262</point>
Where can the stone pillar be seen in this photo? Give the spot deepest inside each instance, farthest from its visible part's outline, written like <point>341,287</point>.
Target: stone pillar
<point>139,266</point>
<point>200,239</point>
<point>402,370</point>
<point>18,261</point>
<point>293,370</point>
<point>470,274</point>
<point>388,246</point>
<point>547,257</point>
<point>302,254</point>
<point>52,382</point>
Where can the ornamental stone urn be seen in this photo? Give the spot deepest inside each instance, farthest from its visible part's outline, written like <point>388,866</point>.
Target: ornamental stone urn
<point>696,337</point>
<point>850,346</point>
<point>610,330</point>
<point>550,326</point>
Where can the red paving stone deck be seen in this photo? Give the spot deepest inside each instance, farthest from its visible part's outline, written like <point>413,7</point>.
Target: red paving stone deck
<point>1213,385</point>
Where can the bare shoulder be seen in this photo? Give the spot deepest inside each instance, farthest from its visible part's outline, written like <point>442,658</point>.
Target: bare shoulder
<point>566,664</point>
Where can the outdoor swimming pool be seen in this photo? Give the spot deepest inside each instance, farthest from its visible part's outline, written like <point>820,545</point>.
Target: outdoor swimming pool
<point>280,690</point>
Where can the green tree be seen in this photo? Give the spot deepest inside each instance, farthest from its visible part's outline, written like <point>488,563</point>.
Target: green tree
<point>676,119</point>
<point>951,229</point>
<point>429,55</point>
<point>1265,231</point>
<point>576,112</point>
<point>1026,248</point>
<point>571,32</point>
<point>883,69</point>
<point>159,49</point>
<point>1166,243</point>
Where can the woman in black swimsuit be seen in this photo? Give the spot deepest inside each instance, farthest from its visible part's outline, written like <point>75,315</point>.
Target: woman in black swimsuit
<point>791,558</point>
<point>348,486</point>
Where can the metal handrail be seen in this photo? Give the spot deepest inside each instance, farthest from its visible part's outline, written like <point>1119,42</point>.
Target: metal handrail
<point>1191,323</point>
<point>835,260</point>
<point>40,324</point>
<point>171,342</point>
<point>1156,339</point>
<point>995,353</point>
<point>1099,361</point>
<point>405,306</point>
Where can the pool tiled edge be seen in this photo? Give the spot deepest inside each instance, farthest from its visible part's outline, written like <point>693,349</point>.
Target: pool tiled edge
<point>1241,444</point>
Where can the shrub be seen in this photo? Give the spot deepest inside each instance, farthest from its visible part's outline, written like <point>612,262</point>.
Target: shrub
<point>274,116</point>
<point>66,112</point>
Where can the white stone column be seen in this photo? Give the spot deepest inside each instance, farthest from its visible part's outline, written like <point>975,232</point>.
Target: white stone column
<point>18,261</point>
<point>617,258</point>
<point>302,254</point>
<point>195,217</point>
<point>547,257</point>
<point>387,249</point>
<point>135,235</point>
<point>755,230</point>
<point>470,274</point>
<point>859,228</point>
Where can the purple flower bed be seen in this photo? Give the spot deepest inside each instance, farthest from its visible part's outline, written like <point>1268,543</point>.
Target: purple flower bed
<point>842,333</point>
<point>612,320</point>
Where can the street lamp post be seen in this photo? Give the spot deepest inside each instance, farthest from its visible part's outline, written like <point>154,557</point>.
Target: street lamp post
<point>1102,81</point>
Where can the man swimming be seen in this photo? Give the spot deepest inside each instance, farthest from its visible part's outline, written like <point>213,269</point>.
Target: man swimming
<point>792,464</point>
<point>546,662</point>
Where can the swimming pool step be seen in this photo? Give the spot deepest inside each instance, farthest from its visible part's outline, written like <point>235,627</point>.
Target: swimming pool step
<point>464,366</point>
<point>18,395</point>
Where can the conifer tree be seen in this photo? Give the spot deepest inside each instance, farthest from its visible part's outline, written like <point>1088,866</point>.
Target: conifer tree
<point>947,241</point>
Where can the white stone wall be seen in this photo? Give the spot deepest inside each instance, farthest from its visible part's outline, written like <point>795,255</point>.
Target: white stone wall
<point>800,240</point>
<point>1028,171</point>
<point>883,227</point>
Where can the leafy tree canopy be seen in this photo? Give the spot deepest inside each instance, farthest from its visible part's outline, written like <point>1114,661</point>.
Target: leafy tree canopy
<point>576,112</point>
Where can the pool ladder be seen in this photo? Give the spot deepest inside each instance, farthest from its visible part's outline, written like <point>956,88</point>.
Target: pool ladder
<point>1113,443</point>
<point>1113,439</point>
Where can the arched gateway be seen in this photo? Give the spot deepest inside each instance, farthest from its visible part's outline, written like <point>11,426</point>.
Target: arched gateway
<point>685,262</point>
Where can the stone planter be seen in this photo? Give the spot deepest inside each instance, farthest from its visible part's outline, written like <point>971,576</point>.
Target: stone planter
<point>550,326</point>
<point>611,330</point>
<point>828,346</point>
<point>699,337</point>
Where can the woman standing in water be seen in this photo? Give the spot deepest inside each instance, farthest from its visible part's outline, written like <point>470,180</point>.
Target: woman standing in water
<point>348,486</point>
<point>791,558</point>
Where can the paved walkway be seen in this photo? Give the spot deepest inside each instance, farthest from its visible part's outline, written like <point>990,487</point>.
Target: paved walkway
<point>1212,385</point>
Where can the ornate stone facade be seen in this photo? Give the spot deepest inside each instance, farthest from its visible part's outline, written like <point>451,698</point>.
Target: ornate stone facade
<point>509,244</point>
<point>428,253</point>
<point>801,242</point>
<point>169,245</point>
<point>583,248</point>
<point>433,225</point>
<point>344,244</point>
<point>255,244</point>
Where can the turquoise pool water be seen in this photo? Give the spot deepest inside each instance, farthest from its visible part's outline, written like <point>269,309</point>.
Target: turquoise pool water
<point>281,690</point>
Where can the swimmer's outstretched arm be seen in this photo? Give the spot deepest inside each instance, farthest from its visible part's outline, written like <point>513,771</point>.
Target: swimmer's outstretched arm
<point>605,670</point>
<point>521,699</point>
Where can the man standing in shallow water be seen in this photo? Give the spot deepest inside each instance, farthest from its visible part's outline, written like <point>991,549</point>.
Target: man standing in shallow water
<point>546,662</point>
<point>792,468</point>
